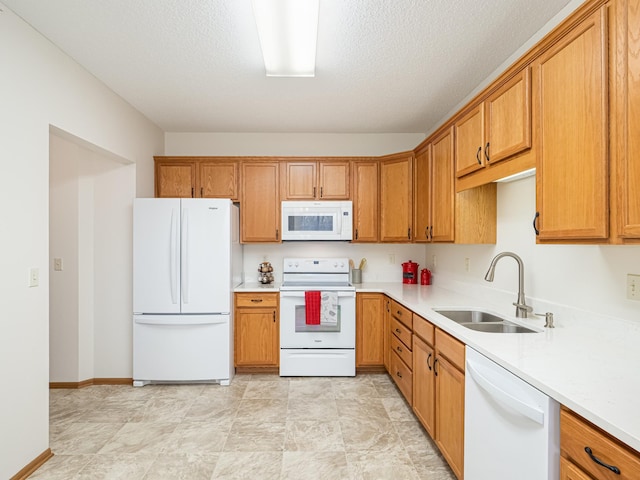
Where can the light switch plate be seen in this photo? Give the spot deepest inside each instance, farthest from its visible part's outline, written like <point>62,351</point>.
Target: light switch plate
<point>34,277</point>
<point>57,264</point>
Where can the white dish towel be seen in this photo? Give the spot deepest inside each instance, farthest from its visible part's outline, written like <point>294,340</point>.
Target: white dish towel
<point>329,308</point>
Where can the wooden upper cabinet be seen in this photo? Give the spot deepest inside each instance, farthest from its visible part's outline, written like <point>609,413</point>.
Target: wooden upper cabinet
<point>396,197</point>
<point>322,180</point>
<point>625,122</point>
<point>175,178</point>
<point>218,179</point>
<point>469,141</point>
<point>259,202</point>
<point>497,128</point>
<point>570,90</point>
<point>365,201</point>
<point>442,186</point>
<point>422,175</point>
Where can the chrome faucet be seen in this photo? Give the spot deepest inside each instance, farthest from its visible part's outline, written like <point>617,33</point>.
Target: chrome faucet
<point>522,309</point>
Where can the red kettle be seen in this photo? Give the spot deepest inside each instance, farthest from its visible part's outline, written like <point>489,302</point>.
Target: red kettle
<point>409,272</point>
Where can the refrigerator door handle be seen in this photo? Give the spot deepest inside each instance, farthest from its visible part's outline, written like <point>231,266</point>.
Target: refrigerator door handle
<point>173,257</point>
<point>184,260</point>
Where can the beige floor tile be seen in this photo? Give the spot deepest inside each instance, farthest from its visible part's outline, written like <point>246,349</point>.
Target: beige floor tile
<point>251,436</point>
<point>382,466</point>
<point>200,438</point>
<point>361,408</point>
<point>313,436</point>
<point>315,466</point>
<point>355,390</point>
<point>262,410</point>
<point>117,467</point>
<point>82,438</point>
<point>414,437</point>
<point>182,467</point>
<point>235,390</point>
<point>431,466</point>
<point>165,409</point>
<point>309,408</point>
<point>267,390</point>
<point>248,466</point>
<point>140,438</point>
<point>115,411</point>
<point>212,410</point>
<point>317,388</point>
<point>398,409</point>
<point>61,467</point>
<point>370,435</point>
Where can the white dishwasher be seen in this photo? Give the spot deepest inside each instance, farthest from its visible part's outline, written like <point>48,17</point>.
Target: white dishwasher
<point>512,430</point>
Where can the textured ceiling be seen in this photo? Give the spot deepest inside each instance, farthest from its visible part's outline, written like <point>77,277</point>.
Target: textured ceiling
<point>383,66</point>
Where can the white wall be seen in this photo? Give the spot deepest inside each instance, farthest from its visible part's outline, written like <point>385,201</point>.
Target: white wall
<point>39,87</point>
<point>90,229</point>
<point>289,144</point>
<point>566,279</point>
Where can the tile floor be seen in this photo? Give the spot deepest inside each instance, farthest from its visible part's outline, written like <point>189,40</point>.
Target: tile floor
<point>260,427</point>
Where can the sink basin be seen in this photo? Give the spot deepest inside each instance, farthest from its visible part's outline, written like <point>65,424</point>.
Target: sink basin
<point>484,321</point>
<point>470,316</point>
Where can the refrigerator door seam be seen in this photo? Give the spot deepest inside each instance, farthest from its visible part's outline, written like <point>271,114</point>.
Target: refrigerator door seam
<point>173,258</point>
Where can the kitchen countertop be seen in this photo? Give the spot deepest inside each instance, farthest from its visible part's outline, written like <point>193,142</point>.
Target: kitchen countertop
<point>589,366</point>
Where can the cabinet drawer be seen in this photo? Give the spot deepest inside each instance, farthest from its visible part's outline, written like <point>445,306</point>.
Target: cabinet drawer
<point>403,377</point>
<point>402,332</point>
<point>424,329</point>
<point>450,348</point>
<point>256,299</point>
<point>401,313</point>
<point>402,351</point>
<point>576,434</point>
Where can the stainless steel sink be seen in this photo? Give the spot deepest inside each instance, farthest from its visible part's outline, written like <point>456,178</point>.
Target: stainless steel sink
<point>484,321</point>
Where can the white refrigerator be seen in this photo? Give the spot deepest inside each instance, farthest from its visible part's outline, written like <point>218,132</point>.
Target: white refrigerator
<point>187,259</point>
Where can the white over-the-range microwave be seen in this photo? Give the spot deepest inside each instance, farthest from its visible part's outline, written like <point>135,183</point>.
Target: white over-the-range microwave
<point>322,220</point>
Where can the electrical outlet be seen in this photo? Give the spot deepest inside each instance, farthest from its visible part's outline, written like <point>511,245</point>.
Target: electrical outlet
<point>433,261</point>
<point>34,277</point>
<point>392,258</point>
<point>57,264</point>
<point>467,264</point>
<point>633,287</point>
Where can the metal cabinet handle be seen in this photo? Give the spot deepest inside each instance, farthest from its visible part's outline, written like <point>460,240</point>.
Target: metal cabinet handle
<point>274,316</point>
<point>202,191</point>
<point>399,312</point>
<point>314,192</point>
<point>321,191</point>
<point>398,348</point>
<point>256,300</point>
<point>277,234</point>
<point>535,218</point>
<point>428,362</point>
<point>399,374</point>
<point>409,233</point>
<point>614,469</point>
<point>478,155</point>
<point>398,330</point>
<point>426,233</point>
<point>486,152</point>
<point>356,233</point>
<point>435,364</point>
<point>192,192</point>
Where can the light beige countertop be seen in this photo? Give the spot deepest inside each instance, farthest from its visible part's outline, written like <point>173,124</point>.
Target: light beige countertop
<point>588,364</point>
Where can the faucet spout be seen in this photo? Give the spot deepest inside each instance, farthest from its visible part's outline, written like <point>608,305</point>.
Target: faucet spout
<point>522,309</point>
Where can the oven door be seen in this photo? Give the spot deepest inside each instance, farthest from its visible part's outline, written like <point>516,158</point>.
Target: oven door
<point>295,333</point>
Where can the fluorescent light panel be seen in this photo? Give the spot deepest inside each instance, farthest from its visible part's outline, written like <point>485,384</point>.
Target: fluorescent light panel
<point>288,31</point>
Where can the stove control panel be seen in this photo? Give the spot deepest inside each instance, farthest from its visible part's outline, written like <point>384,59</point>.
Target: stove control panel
<point>316,265</point>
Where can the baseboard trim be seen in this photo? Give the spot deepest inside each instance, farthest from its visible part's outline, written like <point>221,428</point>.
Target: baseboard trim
<point>92,381</point>
<point>371,369</point>
<point>35,464</point>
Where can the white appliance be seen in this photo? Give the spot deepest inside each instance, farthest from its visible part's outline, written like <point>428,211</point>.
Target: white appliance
<point>317,350</point>
<point>187,259</point>
<point>512,430</point>
<point>324,220</point>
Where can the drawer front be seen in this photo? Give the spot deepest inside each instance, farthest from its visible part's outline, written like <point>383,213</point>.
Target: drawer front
<point>403,377</point>
<point>402,332</point>
<point>450,348</point>
<point>576,435</point>
<point>256,300</point>
<point>424,329</point>
<point>401,313</point>
<point>402,351</point>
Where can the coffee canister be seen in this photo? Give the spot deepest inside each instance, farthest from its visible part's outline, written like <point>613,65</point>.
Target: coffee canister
<point>425,277</point>
<point>409,272</point>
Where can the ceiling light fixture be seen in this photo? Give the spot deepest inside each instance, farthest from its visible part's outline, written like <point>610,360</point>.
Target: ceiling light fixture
<point>288,31</point>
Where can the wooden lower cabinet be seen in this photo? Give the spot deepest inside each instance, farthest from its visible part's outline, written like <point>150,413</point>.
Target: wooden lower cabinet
<point>576,435</point>
<point>386,334</point>
<point>424,385</point>
<point>370,309</point>
<point>256,330</point>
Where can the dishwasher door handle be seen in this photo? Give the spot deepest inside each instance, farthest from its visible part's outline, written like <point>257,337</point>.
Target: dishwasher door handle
<point>505,398</point>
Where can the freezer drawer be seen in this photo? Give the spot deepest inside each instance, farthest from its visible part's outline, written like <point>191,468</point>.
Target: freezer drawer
<point>170,348</point>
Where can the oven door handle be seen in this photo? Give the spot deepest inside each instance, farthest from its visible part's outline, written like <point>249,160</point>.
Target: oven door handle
<point>300,294</point>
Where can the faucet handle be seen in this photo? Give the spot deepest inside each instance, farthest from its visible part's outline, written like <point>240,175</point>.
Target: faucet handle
<point>524,306</point>
<point>548,319</point>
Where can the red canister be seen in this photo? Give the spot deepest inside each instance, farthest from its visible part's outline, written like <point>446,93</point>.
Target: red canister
<point>425,277</point>
<point>409,272</point>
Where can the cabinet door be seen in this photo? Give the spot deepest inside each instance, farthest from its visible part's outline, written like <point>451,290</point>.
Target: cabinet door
<point>334,181</point>
<point>568,471</point>
<point>365,201</point>
<point>626,119</point>
<point>508,119</point>
<point>572,165</point>
<point>396,198</point>
<point>450,413</point>
<point>469,142</point>
<point>218,180</point>
<point>260,202</point>
<point>442,184</point>
<point>299,180</point>
<point>256,337</point>
<point>422,226</point>
<point>175,179</point>
<point>424,385</point>
<point>369,329</point>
